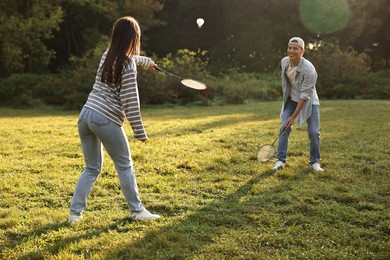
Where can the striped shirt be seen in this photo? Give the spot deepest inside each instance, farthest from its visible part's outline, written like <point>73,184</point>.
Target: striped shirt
<point>120,101</point>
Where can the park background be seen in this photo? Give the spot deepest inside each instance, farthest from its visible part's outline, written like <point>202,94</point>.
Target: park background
<point>50,49</point>
<point>199,168</point>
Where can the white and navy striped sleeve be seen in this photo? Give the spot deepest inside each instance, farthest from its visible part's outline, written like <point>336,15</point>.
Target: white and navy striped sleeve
<point>130,100</point>
<point>142,60</point>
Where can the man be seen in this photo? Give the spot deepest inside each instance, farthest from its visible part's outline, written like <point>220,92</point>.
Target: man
<point>300,102</point>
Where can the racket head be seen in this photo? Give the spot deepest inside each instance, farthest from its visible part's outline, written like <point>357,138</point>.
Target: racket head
<point>266,153</point>
<point>190,83</point>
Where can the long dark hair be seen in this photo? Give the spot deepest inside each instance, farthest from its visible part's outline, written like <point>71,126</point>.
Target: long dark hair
<point>125,42</point>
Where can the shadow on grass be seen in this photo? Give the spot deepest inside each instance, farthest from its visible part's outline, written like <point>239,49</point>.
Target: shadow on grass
<point>198,128</point>
<point>18,239</point>
<point>176,240</point>
<point>58,245</point>
<point>196,232</point>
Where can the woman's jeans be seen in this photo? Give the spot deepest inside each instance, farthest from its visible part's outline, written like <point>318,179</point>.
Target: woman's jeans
<point>95,130</point>
<point>313,130</point>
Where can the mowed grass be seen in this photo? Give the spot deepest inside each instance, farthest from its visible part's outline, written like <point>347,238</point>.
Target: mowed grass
<point>199,171</point>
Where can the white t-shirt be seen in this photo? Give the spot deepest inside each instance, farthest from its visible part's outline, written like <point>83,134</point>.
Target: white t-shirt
<point>291,74</point>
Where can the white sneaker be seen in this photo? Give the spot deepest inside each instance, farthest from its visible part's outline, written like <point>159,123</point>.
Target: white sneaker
<point>278,165</point>
<point>74,218</point>
<point>316,167</point>
<point>143,215</point>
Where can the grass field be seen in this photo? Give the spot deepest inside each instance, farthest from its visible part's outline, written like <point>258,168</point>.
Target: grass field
<point>199,171</point>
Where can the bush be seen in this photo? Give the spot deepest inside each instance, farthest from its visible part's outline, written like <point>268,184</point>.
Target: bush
<point>26,90</point>
<point>18,90</point>
<point>374,85</point>
<point>342,74</point>
<point>70,88</point>
<point>235,88</point>
<point>337,68</point>
<point>159,88</point>
<point>154,87</point>
<point>77,82</point>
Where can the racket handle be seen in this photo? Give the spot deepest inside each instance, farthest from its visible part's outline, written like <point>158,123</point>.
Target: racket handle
<point>281,132</point>
<point>170,74</point>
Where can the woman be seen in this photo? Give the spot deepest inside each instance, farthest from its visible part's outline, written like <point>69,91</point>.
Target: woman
<point>113,98</point>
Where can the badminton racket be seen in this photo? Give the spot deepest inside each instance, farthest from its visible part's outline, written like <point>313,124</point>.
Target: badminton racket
<point>190,83</point>
<point>268,151</point>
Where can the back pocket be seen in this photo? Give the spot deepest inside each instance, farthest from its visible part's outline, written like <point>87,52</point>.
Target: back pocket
<point>99,120</point>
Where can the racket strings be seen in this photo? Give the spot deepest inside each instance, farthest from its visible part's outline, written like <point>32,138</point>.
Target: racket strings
<point>266,153</point>
<point>193,84</point>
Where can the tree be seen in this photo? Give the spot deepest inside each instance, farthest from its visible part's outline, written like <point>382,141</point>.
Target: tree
<point>38,35</point>
<point>248,35</point>
<point>85,22</point>
<point>24,26</point>
<point>368,30</point>
<point>251,35</point>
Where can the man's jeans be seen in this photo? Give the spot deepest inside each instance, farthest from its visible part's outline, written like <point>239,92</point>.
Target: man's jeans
<point>95,130</point>
<point>313,130</point>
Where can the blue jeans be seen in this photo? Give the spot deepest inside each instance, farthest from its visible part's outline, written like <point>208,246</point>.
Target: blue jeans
<point>95,130</point>
<point>313,130</point>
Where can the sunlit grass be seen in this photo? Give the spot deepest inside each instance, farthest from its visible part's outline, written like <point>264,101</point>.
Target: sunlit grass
<point>199,171</point>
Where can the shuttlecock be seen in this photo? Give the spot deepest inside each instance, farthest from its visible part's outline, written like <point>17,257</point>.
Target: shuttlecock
<point>200,22</point>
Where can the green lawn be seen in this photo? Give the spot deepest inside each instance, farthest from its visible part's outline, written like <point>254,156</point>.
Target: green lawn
<point>199,171</point>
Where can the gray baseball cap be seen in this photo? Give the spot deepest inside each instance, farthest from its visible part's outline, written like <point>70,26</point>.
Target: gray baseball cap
<point>297,41</point>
